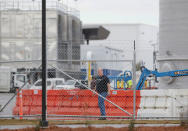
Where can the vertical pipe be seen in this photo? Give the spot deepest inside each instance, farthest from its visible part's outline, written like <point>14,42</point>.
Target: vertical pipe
<point>115,84</point>
<point>134,81</point>
<point>44,123</point>
<point>89,70</point>
<point>69,29</point>
<point>89,74</point>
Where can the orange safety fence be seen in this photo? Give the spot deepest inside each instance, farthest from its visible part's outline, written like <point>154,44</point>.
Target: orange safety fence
<point>75,102</point>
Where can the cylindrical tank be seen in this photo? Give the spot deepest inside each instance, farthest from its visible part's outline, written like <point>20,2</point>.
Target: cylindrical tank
<point>173,41</point>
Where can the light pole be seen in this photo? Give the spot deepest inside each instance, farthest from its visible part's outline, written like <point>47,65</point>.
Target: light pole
<point>134,80</point>
<point>44,122</point>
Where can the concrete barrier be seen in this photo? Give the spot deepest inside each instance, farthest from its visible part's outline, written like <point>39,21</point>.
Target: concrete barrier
<point>163,103</point>
<point>166,103</point>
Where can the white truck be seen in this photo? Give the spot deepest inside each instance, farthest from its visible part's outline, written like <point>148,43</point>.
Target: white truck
<point>10,80</point>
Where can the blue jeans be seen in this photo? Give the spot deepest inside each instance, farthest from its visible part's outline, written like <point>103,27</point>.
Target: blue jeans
<point>101,103</point>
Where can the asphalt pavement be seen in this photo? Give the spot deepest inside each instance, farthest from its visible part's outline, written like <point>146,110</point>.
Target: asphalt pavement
<point>92,125</point>
<point>4,98</point>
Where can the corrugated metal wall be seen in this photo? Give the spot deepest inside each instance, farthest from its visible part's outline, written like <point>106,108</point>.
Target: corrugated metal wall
<point>21,36</point>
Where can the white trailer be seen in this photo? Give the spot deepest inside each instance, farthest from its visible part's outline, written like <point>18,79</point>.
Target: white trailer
<point>10,80</point>
<point>5,79</point>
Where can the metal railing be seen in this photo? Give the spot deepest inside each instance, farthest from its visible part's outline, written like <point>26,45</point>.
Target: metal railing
<point>36,5</point>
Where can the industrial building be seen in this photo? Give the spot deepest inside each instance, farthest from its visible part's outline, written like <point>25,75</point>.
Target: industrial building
<point>20,39</point>
<point>20,31</point>
<point>79,51</point>
<point>111,60</point>
<point>122,37</point>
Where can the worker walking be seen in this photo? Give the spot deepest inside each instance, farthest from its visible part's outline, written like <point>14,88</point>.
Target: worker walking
<point>103,89</point>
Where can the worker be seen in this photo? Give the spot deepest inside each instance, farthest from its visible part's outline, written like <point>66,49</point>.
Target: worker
<point>129,84</point>
<point>93,83</point>
<point>103,89</point>
<point>118,84</point>
<point>146,84</point>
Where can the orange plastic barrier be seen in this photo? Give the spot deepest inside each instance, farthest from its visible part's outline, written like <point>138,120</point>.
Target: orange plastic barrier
<point>76,102</point>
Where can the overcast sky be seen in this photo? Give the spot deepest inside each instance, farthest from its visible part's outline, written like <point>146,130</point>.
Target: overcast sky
<point>117,11</point>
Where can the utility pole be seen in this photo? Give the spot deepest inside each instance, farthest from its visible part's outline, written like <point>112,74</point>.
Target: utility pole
<point>134,81</point>
<point>44,122</point>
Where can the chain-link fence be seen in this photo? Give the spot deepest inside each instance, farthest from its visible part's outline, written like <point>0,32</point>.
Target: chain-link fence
<point>92,81</point>
<point>96,84</point>
<point>73,86</point>
<point>17,76</point>
<point>86,94</point>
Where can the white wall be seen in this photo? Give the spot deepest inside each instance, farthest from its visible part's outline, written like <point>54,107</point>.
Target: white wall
<point>147,36</point>
<point>163,103</point>
<point>21,35</point>
<point>122,37</point>
<point>173,42</point>
<point>100,53</point>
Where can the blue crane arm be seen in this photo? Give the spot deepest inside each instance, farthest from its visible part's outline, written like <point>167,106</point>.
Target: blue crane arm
<point>176,73</point>
<point>146,73</point>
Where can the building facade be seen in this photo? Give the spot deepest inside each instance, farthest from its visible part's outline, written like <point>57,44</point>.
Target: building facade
<point>122,36</point>
<point>20,33</point>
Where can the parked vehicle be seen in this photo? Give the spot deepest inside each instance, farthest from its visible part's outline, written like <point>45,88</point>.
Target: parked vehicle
<point>72,84</point>
<point>82,86</point>
<point>10,80</point>
<point>52,83</point>
<point>69,84</point>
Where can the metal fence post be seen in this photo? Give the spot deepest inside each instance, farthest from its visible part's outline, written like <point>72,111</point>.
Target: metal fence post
<point>44,122</point>
<point>134,81</point>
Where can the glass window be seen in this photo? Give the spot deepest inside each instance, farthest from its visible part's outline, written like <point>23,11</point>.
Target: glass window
<point>59,82</point>
<point>48,83</point>
<point>77,84</point>
<point>38,83</point>
<point>84,82</point>
<point>70,82</point>
<point>20,78</point>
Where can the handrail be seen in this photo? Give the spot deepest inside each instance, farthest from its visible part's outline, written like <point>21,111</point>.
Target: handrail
<point>36,5</point>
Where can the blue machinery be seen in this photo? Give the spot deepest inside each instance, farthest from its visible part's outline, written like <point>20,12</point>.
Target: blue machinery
<point>123,78</point>
<point>147,73</point>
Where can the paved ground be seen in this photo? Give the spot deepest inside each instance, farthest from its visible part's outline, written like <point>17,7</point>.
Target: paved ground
<point>4,97</point>
<point>16,127</point>
<point>97,126</point>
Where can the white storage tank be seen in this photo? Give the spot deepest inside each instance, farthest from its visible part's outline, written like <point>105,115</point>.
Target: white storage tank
<point>173,41</point>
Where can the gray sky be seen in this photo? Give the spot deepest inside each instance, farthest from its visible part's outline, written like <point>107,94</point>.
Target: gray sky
<point>118,11</point>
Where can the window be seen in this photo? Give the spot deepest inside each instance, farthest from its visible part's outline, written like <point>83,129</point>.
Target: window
<point>20,78</point>
<point>77,84</point>
<point>48,83</point>
<point>70,82</point>
<point>59,82</point>
<point>38,83</point>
